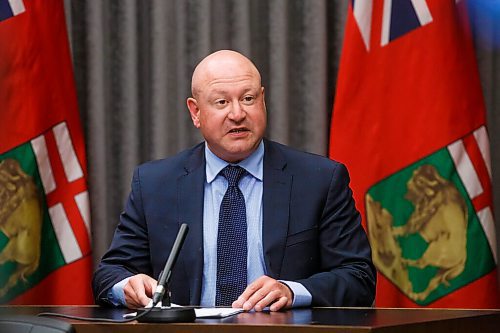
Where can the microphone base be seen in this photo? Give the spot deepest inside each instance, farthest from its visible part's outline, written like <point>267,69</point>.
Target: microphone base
<point>171,315</point>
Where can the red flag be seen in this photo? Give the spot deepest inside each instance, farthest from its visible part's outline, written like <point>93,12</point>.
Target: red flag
<point>45,246</point>
<point>409,122</point>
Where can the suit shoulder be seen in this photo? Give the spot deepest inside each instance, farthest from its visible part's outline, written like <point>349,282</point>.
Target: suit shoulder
<point>174,164</point>
<point>299,158</point>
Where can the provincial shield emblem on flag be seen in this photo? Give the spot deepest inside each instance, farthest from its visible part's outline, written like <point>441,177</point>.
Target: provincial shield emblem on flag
<point>41,230</point>
<point>430,224</point>
<point>45,242</point>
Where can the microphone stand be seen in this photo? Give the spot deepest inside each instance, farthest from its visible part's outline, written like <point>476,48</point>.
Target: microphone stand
<point>166,313</point>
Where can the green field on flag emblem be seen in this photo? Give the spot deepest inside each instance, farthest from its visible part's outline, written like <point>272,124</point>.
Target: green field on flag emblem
<point>29,250</point>
<point>425,234</point>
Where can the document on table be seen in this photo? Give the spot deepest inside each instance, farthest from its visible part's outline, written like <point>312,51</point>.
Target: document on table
<point>216,312</point>
<point>200,313</point>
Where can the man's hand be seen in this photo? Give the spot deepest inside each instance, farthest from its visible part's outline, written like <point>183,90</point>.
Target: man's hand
<point>265,291</point>
<point>139,290</point>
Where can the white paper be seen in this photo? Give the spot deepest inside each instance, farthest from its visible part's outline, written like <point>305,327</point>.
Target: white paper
<point>200,313</point>
<point>216,312</point>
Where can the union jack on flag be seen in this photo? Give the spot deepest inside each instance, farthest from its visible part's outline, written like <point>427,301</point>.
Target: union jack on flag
<point>398,18</point>
<point>10,8</point>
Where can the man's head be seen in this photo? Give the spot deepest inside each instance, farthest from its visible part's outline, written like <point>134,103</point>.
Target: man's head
<point>228,104</point>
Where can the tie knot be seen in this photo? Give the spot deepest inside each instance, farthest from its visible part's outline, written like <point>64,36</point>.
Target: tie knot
<point>233,174</point>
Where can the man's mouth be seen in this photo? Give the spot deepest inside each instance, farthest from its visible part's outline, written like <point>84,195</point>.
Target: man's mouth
<point>238,130</point>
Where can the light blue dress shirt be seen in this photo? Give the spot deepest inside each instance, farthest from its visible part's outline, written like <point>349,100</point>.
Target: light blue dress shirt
<point>215,188</point>
<point>251,185</point>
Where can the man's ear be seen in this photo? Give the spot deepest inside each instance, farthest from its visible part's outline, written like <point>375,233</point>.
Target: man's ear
<point>263,98</point>
<point>192,105</point>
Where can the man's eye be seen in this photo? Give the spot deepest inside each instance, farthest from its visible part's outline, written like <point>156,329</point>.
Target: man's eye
<point>248,99</point>
<point>221,102</point>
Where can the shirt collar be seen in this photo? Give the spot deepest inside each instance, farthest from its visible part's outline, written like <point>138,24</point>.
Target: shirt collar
<point>253,164</point>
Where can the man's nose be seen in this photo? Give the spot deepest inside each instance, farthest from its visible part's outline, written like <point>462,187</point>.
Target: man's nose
<point>237,112</point>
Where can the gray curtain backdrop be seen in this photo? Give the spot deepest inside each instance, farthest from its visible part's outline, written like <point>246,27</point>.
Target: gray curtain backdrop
<point>133,62</point>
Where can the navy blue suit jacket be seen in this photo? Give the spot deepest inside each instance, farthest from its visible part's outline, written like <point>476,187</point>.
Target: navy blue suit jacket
<point>311,233</point>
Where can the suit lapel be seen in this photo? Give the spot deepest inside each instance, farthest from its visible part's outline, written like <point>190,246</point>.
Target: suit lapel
<point>276,202</point>
<point>190,189</point>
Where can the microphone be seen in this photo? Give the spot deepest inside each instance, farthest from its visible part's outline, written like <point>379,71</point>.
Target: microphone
<point>172,258</point>
<point>170,315</point>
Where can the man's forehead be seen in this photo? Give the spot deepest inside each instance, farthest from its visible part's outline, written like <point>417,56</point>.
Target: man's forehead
<point>219,79</point>
<point>231,86</point>
<point>224,67</point>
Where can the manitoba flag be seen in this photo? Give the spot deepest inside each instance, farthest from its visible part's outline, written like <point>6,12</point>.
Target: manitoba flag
<point>45,244</point>
<point>409,122</point>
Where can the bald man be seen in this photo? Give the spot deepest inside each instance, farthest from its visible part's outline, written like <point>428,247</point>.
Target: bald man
<point>303,243</point>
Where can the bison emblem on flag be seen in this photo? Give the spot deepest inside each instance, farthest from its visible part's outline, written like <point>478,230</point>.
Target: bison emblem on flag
<point>20,222</point>
<point>431,233</point>
<point>44,210</point>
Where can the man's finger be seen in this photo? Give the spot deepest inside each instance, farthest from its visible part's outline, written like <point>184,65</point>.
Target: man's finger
<point>256,297</point>
<point>250,290</point>
<point>263,292</point>
<point>131,298</point>
<point>149,287</point>
<point>136,288</point>
<point>140,292</point>
<point>272,296</point>
<point>279,304</point>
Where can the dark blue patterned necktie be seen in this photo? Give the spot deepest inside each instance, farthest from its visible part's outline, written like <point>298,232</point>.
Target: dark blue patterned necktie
<point>231,241</point>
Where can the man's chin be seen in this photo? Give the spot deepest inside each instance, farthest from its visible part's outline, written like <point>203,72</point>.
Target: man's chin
<point>235,150</point>
<point>238,155</point>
